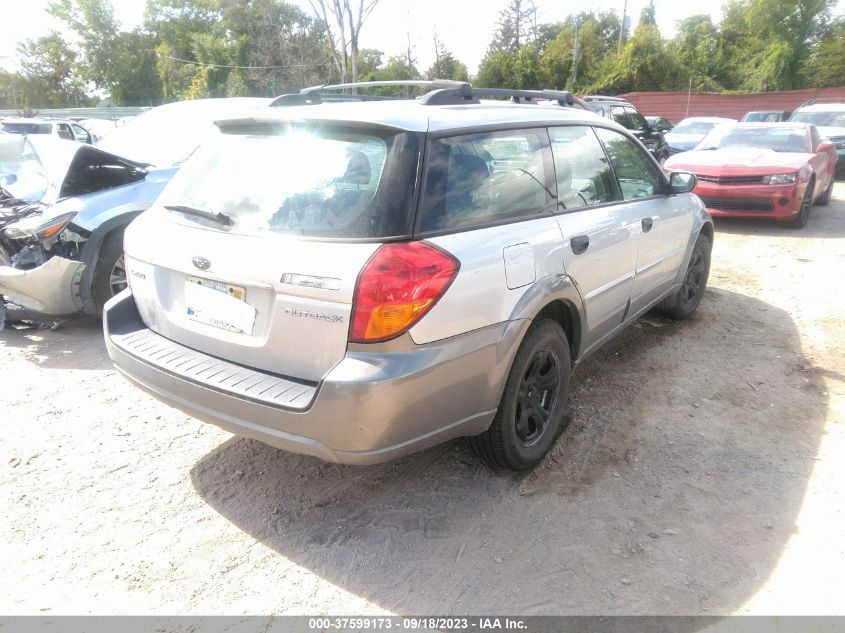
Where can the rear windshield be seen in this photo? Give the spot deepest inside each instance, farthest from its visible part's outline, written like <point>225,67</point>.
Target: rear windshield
<point>318,182</point>
<point>26,128</point>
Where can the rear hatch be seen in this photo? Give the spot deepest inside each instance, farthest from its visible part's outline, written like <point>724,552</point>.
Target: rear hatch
<point>253,251</point>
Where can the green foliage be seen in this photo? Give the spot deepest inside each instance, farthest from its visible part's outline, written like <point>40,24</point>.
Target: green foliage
<point>643,64</point>
<point>446,66</point>
<point>827,66</point>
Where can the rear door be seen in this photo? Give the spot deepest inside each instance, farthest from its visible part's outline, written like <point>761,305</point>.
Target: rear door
<point>599,229</point>
<point>487,200</point>
<point>662,223</point>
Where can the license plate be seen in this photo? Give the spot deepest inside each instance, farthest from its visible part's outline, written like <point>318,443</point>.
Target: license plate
<point>219,305</point>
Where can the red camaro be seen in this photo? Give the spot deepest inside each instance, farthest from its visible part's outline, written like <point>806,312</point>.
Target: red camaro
<point>761,170</point>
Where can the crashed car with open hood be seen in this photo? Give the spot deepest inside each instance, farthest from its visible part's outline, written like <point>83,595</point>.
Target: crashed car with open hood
<point>64,205</point>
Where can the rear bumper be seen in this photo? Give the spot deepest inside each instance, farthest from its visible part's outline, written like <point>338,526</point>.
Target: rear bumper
<point>371,407</point>
<point>743,201</point>
<point>50,289</point>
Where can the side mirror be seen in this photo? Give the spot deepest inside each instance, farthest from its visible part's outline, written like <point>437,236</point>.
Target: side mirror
<point>681,182</point>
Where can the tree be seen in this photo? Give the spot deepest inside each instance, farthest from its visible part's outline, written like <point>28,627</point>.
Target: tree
<point>445,65</point>
<point>345,18</point>
<point>517,26</point>
<point>49,73</point>
<point>827,66</point>
<point>697,47</point>
<point>643,64</point>
<point>597,37</point>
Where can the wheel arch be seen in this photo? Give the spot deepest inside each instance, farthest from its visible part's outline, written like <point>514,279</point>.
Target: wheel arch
<point>556,298</point>
<point>91,253</point>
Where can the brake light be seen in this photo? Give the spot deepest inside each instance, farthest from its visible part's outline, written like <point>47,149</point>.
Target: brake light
<point>398,285</point>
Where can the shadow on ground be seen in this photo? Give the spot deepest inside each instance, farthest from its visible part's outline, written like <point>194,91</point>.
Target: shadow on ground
<point>74,344</point>
<point>674,490</point>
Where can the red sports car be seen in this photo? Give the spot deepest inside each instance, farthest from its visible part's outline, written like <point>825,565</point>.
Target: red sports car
<point>761,170</point>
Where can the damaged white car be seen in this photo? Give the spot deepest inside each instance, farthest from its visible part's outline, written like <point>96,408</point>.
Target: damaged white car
<point>64,205</point>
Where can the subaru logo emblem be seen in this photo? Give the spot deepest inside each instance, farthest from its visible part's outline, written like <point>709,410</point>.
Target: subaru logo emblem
<point>201,262</point>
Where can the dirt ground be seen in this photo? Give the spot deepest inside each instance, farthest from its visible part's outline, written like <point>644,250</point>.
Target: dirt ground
<point>702,473</point>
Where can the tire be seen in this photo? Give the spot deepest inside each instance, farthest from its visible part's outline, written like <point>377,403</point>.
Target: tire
<point>520,435</point>
<point>824,199</point>
<point>681,305</point>
<point>110,271</point>
<point>806,203</point>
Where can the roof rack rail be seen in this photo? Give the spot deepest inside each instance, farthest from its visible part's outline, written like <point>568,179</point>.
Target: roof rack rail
<point>589,98</point>
<point>317,94</point>
<point>442,92</point>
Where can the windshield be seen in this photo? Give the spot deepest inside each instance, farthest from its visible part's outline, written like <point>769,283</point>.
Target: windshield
<point>693,127</point>
<point>826,119</point>
<point>326,183</point>
<point>167,135</point>
<point>779,139</point>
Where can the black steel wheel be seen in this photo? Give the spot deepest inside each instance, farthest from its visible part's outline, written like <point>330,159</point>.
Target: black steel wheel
<point>684,302</point>
<point>534,405</point>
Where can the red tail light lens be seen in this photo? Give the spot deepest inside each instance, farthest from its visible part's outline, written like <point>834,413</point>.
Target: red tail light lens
<point>398,285</point>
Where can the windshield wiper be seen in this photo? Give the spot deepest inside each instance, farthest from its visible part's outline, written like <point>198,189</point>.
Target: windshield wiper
<point>217,216</point>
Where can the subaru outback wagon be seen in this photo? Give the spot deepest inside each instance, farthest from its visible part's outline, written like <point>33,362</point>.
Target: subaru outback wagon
<point>361,280</point>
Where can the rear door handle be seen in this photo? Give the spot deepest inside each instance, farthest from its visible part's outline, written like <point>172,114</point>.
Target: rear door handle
<point>579,243</point>
<point>647,224</point>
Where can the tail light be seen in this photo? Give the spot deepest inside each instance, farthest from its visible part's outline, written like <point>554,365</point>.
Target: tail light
<point>398,285</point>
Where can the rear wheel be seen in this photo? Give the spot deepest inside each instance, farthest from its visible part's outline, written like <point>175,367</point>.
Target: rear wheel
<point>110,270</point>
<point>684,302</point>
<point>534,405</point>
<point>806,202</point>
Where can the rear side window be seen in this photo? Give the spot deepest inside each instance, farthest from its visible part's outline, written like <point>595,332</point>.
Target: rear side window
<point>583,175</point>
<point>480,179</point>
<point>26,128</point>
<point>636,173</point>
<point>317,182</point>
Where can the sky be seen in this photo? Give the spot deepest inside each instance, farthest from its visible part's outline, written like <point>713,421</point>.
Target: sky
<point>464,26</point>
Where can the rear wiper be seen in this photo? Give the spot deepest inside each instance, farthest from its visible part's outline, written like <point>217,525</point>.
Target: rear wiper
<point>217,216</point>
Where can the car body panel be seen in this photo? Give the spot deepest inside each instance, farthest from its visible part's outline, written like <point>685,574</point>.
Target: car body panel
<point>441,378</point>
<point>750,199</point>
<point>45,290</point>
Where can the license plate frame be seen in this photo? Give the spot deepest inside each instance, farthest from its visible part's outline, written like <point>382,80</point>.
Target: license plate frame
<point>218,304</point>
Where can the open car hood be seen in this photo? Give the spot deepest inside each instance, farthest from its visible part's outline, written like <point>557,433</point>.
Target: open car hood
<point>44,169</point>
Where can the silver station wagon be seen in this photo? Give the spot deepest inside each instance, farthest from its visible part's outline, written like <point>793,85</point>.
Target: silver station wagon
<point>359,279</point>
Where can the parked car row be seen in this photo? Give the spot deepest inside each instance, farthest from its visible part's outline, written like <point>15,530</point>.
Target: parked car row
<point>358,279</point>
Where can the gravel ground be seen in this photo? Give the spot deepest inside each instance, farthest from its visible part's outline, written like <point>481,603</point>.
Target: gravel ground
<point>702,474</point>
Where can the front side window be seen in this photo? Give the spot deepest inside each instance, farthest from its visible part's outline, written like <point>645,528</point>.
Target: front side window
<point>636,173</point>
<point>63,130</point>
<point>484,178</point>
<point>347,184</point>
<point>638,121</point>
<point>583,175</point>
<point>620,115</point>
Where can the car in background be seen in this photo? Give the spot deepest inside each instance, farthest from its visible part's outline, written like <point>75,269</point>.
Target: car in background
<point>762,170</point>
<point>360,281</point>
<point>687,134</point>
<point>659,123</point>
<point>626,115</point>
<point>64,205</point>
<point>66,130</point>
<point>765,116</point>
<point>829,118</point>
